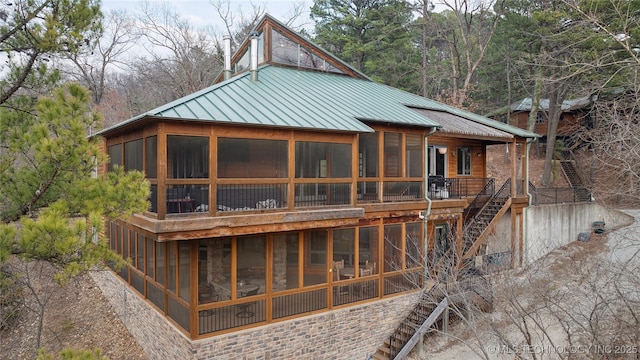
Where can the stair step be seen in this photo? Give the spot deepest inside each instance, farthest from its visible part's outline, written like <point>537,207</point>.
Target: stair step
<point>385,350</point>
<point>378,356</point>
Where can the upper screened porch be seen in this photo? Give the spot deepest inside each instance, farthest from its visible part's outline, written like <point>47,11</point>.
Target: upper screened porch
<point>215,171</point>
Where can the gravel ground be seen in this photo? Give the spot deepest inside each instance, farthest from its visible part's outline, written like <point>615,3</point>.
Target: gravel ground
<point>78,316</point>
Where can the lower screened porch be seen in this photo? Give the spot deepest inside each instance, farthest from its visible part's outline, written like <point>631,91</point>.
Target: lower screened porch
<point>216,285</point>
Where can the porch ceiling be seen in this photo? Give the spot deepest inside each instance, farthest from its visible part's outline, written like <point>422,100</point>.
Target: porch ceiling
<point>453,124</point>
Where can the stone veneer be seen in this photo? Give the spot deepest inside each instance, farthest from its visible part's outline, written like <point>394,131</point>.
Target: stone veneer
<point>349,333</point>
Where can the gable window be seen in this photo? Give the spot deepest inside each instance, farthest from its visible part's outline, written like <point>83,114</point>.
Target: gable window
<point>244,61</point>
<point>464,161</point>
<point>286,51</point>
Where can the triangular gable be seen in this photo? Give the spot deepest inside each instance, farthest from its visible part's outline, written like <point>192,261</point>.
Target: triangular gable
<point>280,45</point>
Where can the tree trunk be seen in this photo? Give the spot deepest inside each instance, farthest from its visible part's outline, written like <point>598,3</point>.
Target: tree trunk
<point>555,102</point>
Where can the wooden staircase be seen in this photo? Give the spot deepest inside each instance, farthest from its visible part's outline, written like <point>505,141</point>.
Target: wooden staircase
<point>432,303</point>
<point>471,289</point>
<point>575,181</point>
<point>423,315</point>
<point>476,228</point>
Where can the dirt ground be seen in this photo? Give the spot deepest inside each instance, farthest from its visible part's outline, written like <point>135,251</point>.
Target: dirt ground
<point>77,317</point>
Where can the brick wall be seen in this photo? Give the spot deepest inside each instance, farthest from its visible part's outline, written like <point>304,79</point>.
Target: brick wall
<point>351,333</point>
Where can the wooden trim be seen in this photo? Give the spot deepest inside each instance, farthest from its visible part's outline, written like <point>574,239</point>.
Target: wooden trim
<point>514,169</point>
<point>291,170</point>
<point>268,39</point>
<point>193,288</point>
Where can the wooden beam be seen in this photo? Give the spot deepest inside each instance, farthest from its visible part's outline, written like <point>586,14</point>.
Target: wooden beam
<point>514,169</point>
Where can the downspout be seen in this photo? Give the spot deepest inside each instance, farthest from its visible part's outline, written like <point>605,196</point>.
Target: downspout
<point>526,186</point>
<point>425,215</point>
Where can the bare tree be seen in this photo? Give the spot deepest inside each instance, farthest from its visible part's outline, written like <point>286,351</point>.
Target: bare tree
<point>184,58</point>
<point>474,23</point>
<point>579,301</point>
<point>237,24</point>
<point>108,54</point>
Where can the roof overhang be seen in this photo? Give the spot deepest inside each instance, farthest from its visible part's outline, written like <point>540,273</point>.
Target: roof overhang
<point>457,126</point>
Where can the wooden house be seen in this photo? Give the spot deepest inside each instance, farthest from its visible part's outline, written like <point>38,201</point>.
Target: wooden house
<point>297,185</point>
<point>575,114</point>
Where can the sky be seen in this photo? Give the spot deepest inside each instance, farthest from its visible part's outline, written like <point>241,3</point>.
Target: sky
<point>201,13</point>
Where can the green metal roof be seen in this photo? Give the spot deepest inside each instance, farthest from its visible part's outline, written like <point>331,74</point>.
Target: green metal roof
<point>286,97</point>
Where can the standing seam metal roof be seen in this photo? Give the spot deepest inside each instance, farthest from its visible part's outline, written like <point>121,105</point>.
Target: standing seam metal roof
<point>286,97</point>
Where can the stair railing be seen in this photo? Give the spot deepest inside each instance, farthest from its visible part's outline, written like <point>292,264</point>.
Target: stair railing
<point>407,326</point>
<point>488,188</point>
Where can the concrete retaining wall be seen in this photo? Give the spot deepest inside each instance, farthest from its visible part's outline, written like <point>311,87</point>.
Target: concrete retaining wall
<point>352,333</point>
<point>548,227</point>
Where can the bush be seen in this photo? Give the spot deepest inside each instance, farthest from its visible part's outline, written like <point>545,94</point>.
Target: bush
<point>10,298</point>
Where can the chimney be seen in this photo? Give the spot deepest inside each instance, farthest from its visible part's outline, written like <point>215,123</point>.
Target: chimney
<point>254,56</point>
<point>227,57</point>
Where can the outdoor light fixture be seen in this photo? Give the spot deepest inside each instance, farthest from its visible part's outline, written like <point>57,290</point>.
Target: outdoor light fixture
<point>442,150</point>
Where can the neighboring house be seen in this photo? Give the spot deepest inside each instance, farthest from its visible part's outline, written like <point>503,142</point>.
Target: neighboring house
<point>575,114</point>
<point>296,185</point>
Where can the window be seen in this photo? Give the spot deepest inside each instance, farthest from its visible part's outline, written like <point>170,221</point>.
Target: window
<point>413,253</point>
<point>140,253</point>
<point>368,155</point>
<point>343,246</point>
<point>171,267</point>
<point>150,260</point>
<point>214,270</point>
<point>285,261</point>
<point>160,255</point>
<point>133,155</point>
<point>245,60</point>
<point>115,155</point>
<point>252,265</point>
<point>368,247</point>
<point>187,157</point>
<point>392,154</point>
<point>286,51</point>
<point>322,160</point>
<point>152,157</point>
<point>315,246</point>
<point>252,158</point>
<point>414,155</point>
<point>464,161</point>
<point>393,247</point>
<point>184,254</point>
<point>442,241</point>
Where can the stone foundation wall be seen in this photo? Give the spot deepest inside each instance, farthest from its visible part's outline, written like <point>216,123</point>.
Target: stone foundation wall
<point>351,333</point>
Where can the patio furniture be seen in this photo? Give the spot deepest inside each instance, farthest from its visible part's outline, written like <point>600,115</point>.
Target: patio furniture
<point>244,307</point>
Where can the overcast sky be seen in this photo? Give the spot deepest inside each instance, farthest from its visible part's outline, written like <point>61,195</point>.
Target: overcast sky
<point>201,13</point>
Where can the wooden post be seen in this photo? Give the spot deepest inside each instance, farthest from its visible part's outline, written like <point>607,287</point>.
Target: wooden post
<point>514,169</point>
<point>445,320</point>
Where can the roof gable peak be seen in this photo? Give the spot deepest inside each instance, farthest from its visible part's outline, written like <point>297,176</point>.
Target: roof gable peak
<point>281,46</point>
